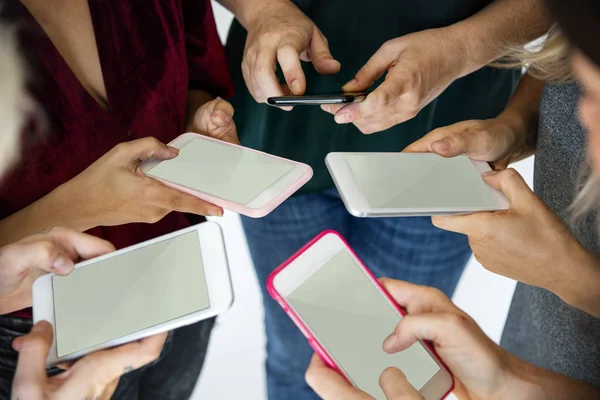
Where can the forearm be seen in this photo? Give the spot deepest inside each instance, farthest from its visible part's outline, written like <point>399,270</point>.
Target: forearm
<point>486,35</point>
<point>246,10</point>
<point>50,211</point>
<point>522,113</point>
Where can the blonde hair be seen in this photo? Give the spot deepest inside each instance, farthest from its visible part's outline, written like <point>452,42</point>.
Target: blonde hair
<point>546,59</point>
<point>14,99</point>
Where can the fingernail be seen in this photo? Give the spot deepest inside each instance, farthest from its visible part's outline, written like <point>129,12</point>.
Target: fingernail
<point>390,342</point>
<point>221,117</point>
<point>442,145</point>
<point>173,150</point>
<point>61,265</point>
<point>215,213</point>
<point>350,83</point>
<point>343,117</point>
<point>295,86</point>
<point>17,343</point>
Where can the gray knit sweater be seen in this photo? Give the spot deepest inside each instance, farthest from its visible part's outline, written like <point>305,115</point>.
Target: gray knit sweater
<point>541,328</point>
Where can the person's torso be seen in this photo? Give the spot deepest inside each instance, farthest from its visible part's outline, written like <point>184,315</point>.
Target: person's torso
<point>355,31</point>
<point>145,74</point>
<point>541,328</point>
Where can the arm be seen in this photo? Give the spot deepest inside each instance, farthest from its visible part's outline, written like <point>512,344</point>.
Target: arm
<point>418,67</point>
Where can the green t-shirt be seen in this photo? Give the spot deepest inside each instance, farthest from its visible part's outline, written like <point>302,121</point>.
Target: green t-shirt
<point>355,30</point>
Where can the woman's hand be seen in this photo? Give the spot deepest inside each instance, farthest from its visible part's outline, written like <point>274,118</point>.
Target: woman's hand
<point>56,251</point>
<point>419,67</point>
<point>498,141</point>
<point>114,191</point>
<point>482,369</point>
<point>530,244</point>
<point>214,119</point>
<point>278,32</point>
<point>95,376</point>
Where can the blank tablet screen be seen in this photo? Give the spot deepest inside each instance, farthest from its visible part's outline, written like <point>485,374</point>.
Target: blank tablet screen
<point>419,181</point>
<point>130,292</point>
<point>228,172</point>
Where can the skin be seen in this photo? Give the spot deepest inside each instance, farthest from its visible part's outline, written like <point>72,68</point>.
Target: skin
<point>113,190</point>
<point>481,368</point>
<point>418,66</point>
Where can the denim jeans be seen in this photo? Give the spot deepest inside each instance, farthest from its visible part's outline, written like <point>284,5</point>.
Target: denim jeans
<point>410,249</point>
<point>172,376</point>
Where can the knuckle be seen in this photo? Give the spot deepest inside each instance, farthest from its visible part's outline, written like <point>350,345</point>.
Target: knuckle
<point>454,321</point>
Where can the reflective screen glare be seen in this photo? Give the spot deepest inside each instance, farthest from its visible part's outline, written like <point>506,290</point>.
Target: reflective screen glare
<point>351,318</point>
<point>224,171</point>
<point>419,181</point>
<point>128,293</point>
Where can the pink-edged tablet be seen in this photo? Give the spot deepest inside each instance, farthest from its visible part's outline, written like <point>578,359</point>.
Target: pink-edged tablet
<point>236,178</point>
<point>345,314</point>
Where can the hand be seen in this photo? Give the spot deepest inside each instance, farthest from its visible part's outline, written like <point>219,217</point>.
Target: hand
<point>215,119</point>
<point>330,385</point>
<point>56,251</point>
<point>498,141</point>
<point>95,376</point>
<point>482,369</point>
<point>420,66</point>
<point>280,32</point>
<point>527,243</point>
<point>114,191</point>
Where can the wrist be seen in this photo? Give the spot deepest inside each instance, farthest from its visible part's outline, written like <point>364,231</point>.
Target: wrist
<point>249,12</point>
<point>523,380</point>
<point>62,209</point>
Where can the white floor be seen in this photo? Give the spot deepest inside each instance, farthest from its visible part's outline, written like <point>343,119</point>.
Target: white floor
<point>234,364</point>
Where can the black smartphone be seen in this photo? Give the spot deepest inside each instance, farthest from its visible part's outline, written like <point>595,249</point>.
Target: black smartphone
<point>317,99</point>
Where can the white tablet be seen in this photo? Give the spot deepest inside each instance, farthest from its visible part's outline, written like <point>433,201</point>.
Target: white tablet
<point>412,184</point>
<point>139,291</point>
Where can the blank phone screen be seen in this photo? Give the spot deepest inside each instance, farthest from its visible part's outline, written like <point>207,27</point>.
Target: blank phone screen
<point>419,181</point>
<point>228,172</point>
<point>351,318</point>
<point>124,294</point>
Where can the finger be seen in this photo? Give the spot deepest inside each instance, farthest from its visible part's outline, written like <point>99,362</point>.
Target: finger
<point>42,254</point>
<point>448,141</point>
<point>332,108</point>
<point>330,385</point>
<point>251,84</point>
<point>511,184</point>
<point>417,299</point>
<point>395,386</point>
<point>31,366</point>
<point>319,54</point>
<point>471,225</point>
<point>99,370</point>
<point>163,196</point>
<point>373,69</point>
<point>134,152</point>
<point>289,61</point>
<point>384,96</point>
<point>263,74</point>
<point>215,119</point>
<point>430,326</point>
<point>84,245</point>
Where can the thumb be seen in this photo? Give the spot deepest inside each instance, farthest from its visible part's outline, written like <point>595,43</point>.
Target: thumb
<point>372,70</point>
<point>215,119</point>
<point>140,150</point>
<point>448,141</point>
<point>31,367</point>
<point>395,386</point>
<point>510,183</point>
<point>319,54</point>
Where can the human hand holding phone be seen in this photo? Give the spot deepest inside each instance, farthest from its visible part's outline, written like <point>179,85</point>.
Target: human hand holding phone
<point>93,377</point>
<point>57,250</point>
<point>482,369</point>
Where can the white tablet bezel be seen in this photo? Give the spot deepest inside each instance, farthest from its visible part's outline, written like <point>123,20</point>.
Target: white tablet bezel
<point>285,185</point>
<point>357,204</point>
<point>308,263</point>
<point>218,283</point>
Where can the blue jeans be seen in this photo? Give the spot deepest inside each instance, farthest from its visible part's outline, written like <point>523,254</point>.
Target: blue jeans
<point>410,249</point>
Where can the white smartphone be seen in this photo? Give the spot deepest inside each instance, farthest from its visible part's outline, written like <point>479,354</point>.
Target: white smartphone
<point>152,287</point>
<point>345,314</point>
<point>236,178</point>
<point>412,184</point>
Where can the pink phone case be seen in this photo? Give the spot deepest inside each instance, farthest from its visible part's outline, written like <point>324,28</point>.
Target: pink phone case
<point>239,208</point>
<point>314,343</point>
